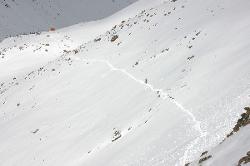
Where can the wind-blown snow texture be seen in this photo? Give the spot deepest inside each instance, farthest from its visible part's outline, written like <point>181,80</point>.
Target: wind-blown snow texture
<point>171,77</point>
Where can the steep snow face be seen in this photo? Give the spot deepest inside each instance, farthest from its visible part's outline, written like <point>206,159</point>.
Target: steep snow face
<point>234,149</point>
<point>25,16</point>
<point>158,88</point>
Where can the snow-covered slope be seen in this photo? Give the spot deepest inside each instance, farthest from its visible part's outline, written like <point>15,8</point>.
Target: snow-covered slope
<point>25,16</point>
<point>158,88</point>
<point>234,149</point>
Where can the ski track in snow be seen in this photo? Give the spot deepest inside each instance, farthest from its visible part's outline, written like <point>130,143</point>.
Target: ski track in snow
<point>164,96</point>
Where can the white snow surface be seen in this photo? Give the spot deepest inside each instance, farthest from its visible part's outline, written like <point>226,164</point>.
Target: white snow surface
<point>230,151</point>
<point>173,83</point>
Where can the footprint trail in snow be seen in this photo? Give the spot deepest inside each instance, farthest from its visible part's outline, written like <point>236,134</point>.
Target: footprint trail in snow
<point>164,96</point>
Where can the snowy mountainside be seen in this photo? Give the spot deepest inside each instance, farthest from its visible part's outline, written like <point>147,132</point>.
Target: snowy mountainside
<point>158,88</point>
<point>25,16</point>
<point>234,149</point>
